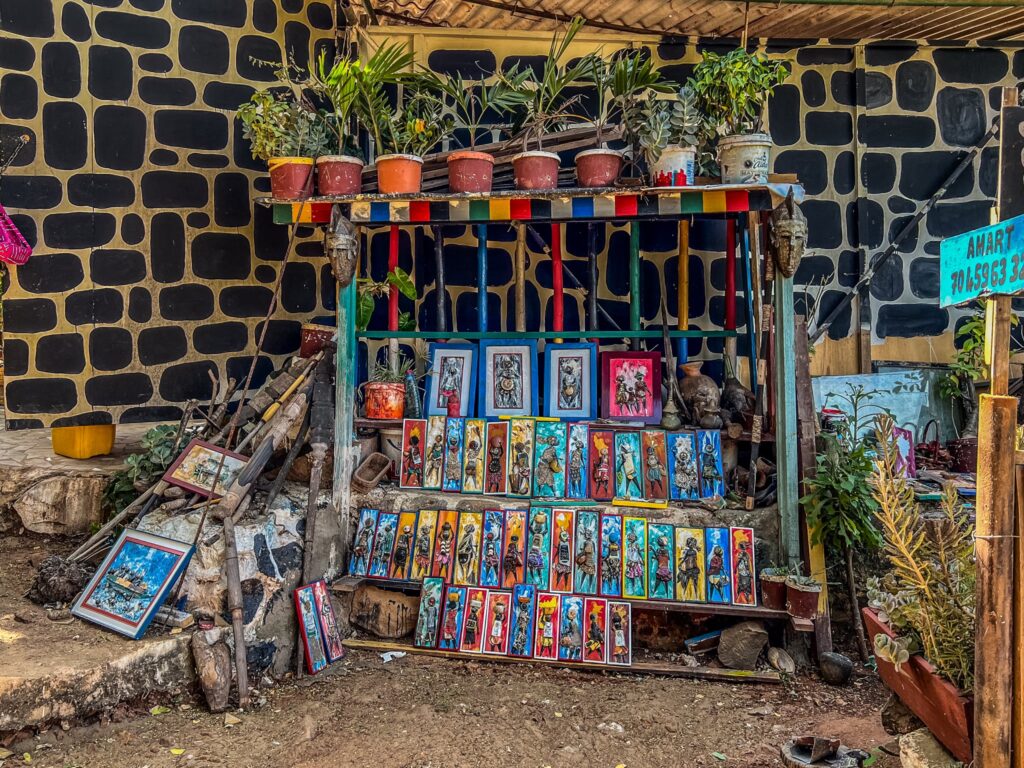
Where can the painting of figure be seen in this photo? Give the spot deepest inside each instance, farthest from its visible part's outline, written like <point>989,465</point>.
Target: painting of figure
<point>454,436</point>
<point>467,549</point>
<point>691,584</point>
<point>401,555</point>
<point>509,378</point>
<point>496,458</point>
<point>423,547</point>
<point>628,466</point>
<point>660,561</point>
<point>576,462</point>
<point>513,559</point>
<point>538,565</point>
<point>600,477</point>
<point>620,634</point>
<point>490,548</point>
<point>329,628</point>
<point>309,629</point>
<point>362,544</point>
<point>709,459</point>
<point>570,628</point>
<point>585,553</point>
<point>906,463</point>
<point>744,569</point>
<point>520,457</point>
<point>433,454</point>
<point>414,433</point>
<point>595,638</point>
<point>631,386</point>
<point>655,460</point>
<point>611,555</point>
<point>634,563</point>
<point>452,618</point>
<point>682,466</point>
<point>444,545</point>
<point>570,386</point>
<point>545,645</point>
<point>718,572</point>
<point>524,604</point>
<point>549,460</point>
<point>451,379</point>
<point>383,544</point>
<point>561,550</point>
<point>430,612</point>
<point>473,627</point>
<point>497,622</point>
<point>202,464</point>
<point>473,456</point>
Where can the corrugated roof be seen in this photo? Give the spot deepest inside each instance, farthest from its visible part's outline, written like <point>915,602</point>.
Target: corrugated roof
<point>725,18</point>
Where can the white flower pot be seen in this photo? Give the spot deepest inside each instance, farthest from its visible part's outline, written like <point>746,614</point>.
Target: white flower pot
<point>675,168</point>
<point>745,159</point>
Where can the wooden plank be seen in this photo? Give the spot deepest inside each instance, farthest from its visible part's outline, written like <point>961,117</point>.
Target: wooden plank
<point>1018,624</point>
<point>999,313</point>
<point>520,276</point>
<point>344,430</point>
<point>785,416</point>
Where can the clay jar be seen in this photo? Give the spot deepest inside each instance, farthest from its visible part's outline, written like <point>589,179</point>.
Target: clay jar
<point>598,167</point>
<point>535,170</point>
<point>339,175</point>
<point>291,178</point>
<point>399,174</point>
<point>470,171</point>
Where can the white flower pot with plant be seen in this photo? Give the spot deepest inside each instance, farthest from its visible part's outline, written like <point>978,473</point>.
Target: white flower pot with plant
<point>668,132</point>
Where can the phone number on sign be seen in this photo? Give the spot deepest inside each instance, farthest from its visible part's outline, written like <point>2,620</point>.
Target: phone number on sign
<point>988,276</point>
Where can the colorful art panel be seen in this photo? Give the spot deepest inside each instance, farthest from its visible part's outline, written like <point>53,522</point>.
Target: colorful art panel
<point>601,458</point>
<point>586,546</point>
<point>684,482</point>
<point>362,545</point>
<point>444,545</point>
<point>691,564</point>
<point>383,545</point>
<point>433,459</point>
<point>546,646</point>
<point>513,560</point>
<point>430,611</point>
<point>453,618</point>
<point>906,462</point>
<point>414,436</point>
<point>329,629</point>
<point>467,551</point>
<point>660,561</point>
<point>309,629</point>
<point>570,628</point>
<point>595,644</point>
<point>629,482</point>
<point>562,533</point>
<point>423,548</point>
<point>718,548</point>
<point>473,456</point>
<point>549,460</point>
<point>520,452</point>
<point>577,462</point>
<point>631,386</point>
<point>538,563</point>
<point>491,552</point>
<point>401,555</point>
<point>510,378</point>
<point>634,564</point>
<point>620,634</point>
<point>655,457</point>
<point>496,459</point>
<point>451,376</point>
<point>473,628</point>
<point>744,569</point>
<point>454,443</point>
<point>498,619</point>
<point>611,555</point>
<point>524,608</point>
<point>570,381</point>
<point>709,459</point>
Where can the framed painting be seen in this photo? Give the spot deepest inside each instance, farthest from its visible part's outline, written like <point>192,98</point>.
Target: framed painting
<point>199,466</point>
<point>718,550</point>
<point>473,625</point>
<point>496,458</point>
<point>309,629</point>
<point>414,433</point>
<point>451,375</point>
<point>628,476</point>
<point>520,451</point>
<point>513,560</point>
<point>473,456</point>
<point>562,532</point>
<point>744,569</point>
<point>660,561</point>
<point>620,634</point>
<point>595,643</point>
<point>454,437</point>
<point>538,563</point>
<point>362,544</point>
<point>631,386</point>
<point>499,615</point>
<point>683,480</point>
<point>444,545</point>
<point>383,545</point>
<point>132,582</point>
<point>691,563</point>
<point>570,381</point>
<point>467,550</point>
<point>570,628</point>
<point>401,555</point>
<point>600,450</point>
<point>585,550</point>
<point>576,461</point>
<point>524,607</point>
<point>433,460</point>
<point>712,477</point>
<point>549,460</point>
<point>906,463</point>
<point>490,555</point>
<point>453,618</point>
<point>634,565</point>
<point>545,646</point>
<point>611,555</point>
<point>430,611</point>
<point>509,378</point>
<point>329,629</point>
<point>652,443</point>
<point>423,549</point>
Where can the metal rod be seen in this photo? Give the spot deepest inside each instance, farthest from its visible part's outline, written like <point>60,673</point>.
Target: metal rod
<point>615,333</point>
<point>751,322</point>
<point>481,265</point>
<point>634,282</point>
<point>558,294</point>
<point>683,291</point>
<point>592,320</point>
<point>439,287</point>
<point>520,272</point>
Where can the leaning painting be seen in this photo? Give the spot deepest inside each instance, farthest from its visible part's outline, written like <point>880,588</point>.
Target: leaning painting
<point>201,464</point>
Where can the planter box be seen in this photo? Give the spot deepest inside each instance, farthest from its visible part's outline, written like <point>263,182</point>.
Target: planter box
<point>947,712</point>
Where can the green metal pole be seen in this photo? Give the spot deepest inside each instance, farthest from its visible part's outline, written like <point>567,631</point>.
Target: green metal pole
<point>345,409</point>
<point>634,281</point>
<point>785,420</point>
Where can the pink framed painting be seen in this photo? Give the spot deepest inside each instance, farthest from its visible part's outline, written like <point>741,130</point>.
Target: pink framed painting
<point>631,386</point>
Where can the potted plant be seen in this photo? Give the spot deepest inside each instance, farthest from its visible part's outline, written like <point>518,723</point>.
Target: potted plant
<point>668,132</point>
<point>384,392</point>
<point>773,587</point>
<point>732,90</point>
<point>802,594</point>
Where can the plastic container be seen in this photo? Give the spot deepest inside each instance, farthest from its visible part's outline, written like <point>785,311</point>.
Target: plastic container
<point>470,171</point>
<point>83,442</point>
<point>536,170</point>
<point>399,174</point>
<point>291,178</point>
<point>675,168</point>
<point>745,159</point>
<point>598,167</point>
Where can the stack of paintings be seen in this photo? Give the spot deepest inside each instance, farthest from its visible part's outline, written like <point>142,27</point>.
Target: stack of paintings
<point>318,626</point>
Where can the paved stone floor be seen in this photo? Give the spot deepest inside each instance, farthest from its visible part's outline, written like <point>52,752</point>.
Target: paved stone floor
<point>31,449</point>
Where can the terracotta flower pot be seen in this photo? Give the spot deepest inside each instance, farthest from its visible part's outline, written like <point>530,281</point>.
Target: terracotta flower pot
<point>384,400</point>
<point>339,175</point>
<point>535,170</point>
<point>598,167</point>
<point>470,171</point>
<point>801,601</point>
<point>399,174</point>
<point>773,591</point>
<point>313,338</point>
<point>291,178</point>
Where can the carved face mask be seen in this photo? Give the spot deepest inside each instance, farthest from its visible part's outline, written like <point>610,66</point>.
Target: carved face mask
<point>788,235</point>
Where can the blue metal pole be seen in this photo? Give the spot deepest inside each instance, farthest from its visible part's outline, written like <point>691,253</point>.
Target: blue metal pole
<point>481,262</point>
<point>748,291</point>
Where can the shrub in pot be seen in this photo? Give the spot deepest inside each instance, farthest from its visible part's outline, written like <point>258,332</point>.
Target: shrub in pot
<point>384,393</point>
<point>802,596</point>
<point>668,132</point>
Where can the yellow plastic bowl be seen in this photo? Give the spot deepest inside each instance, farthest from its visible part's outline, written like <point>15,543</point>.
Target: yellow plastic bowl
<point>83,442</point>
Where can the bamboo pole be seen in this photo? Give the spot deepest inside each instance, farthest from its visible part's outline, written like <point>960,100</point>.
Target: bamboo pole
<point>520,268</point>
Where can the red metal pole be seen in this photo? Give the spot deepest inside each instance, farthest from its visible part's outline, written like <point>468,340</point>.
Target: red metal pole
<point>558,319</point>
<point>392,265</point>
<point>730,276</point>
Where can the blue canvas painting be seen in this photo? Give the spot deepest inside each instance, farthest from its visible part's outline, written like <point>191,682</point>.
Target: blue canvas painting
<point>577,459</point>
<point>451,376</point>
<point>538,548</point>
<point>586,554</point>
<point>570,632</point>
<point>570,380</point>
<point>660,559</point>
<point>718,553</point>
<point>683,480</point>
<point>454,437</point>
<point>629,482</point>
<point>359,560</point>
<point>712,478</point>
<point>634,567</point>
<point>611,555</point>
<point>453,618</point>
<point>490,553</point>
<point>524,605</point>
<point>549,460</point>
<point>383,544</point>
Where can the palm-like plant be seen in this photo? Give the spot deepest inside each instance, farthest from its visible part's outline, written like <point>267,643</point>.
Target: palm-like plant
<point>620,82</point>
<point>472,100</point>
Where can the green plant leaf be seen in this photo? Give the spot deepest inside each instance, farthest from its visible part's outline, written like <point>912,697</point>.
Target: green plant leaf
<point>403,282</point>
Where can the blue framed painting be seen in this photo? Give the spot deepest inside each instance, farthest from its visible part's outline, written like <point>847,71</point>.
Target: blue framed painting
<point>524,608</point>
<point>712,476</point>
<point>683,479</point>
<point>577,461</point>
<point>509,374</point>
<point>451,373</point>
<point>454,440</point>
<point>718,550</point>
<point>570,381</point>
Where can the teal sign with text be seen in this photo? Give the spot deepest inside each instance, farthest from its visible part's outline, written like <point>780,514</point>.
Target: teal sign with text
<point>984,262</point>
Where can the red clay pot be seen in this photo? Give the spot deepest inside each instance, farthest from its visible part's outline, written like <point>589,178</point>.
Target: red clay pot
<point>399,174</point>
<point>802,602</point>
<point>535,170</point>
<point>313,338</point>
<point>339,175</point>
<point>291,178</point>
<point>598,167</point>
<point>384,400</point>
<point>773,592</point>
<point>470,171</point>
<point>965,454</point>
<point>947,712</point>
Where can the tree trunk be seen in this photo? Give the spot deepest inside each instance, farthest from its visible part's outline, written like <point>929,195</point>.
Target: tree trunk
<point>858,624</point>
